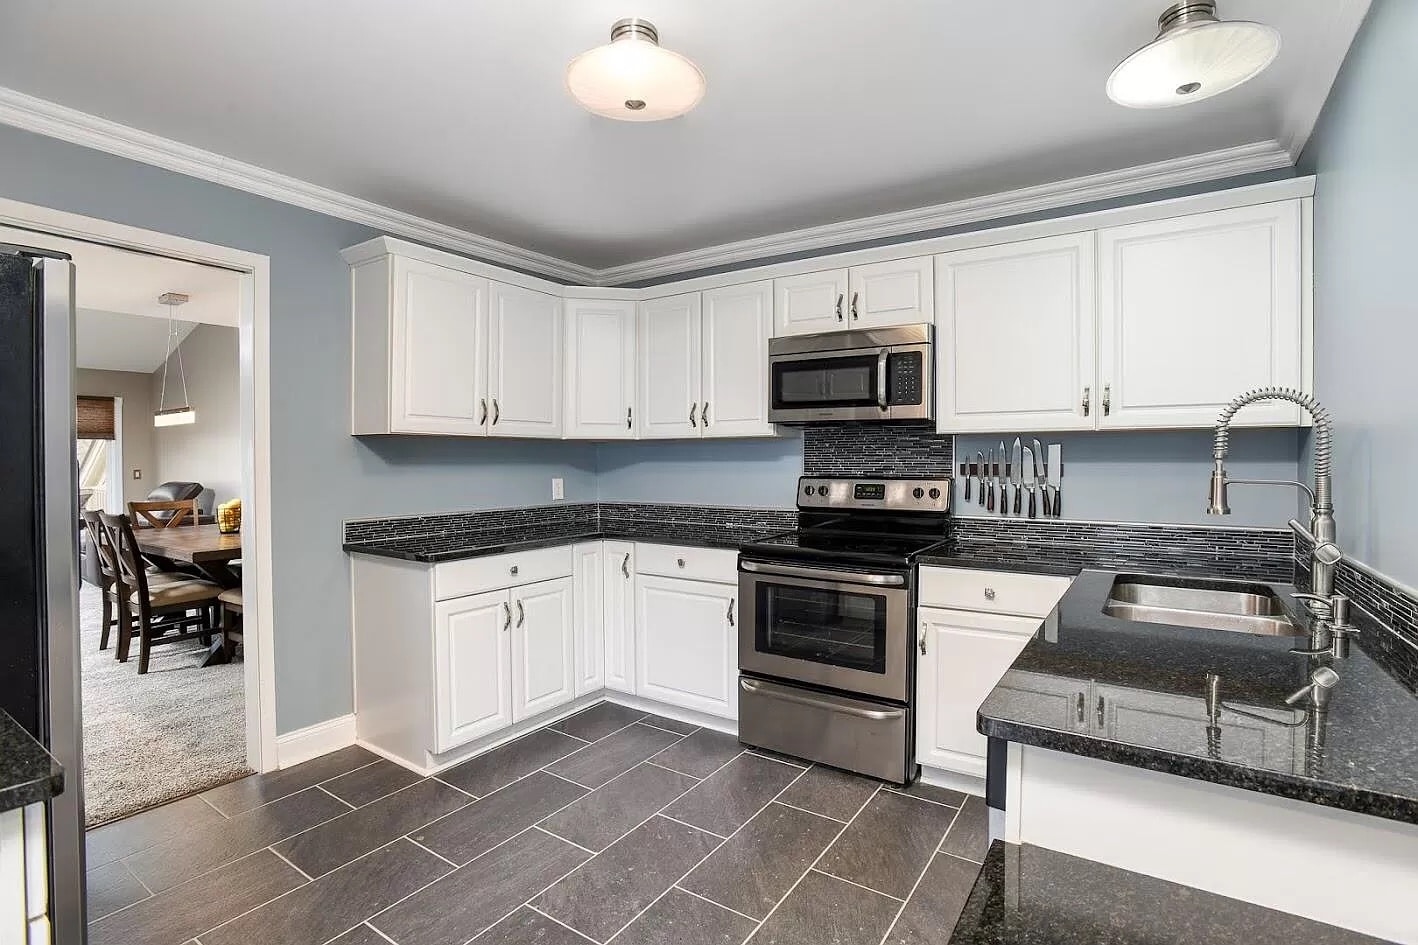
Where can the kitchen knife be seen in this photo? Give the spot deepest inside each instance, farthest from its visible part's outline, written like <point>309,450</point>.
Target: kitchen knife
<point>989,463</point>
<point>1056,476</point>
<point>1001,473</point>
<point>967,482</point>
<point>1027,471</point>
<point>1016,475</point>
<point>980,473</point>
<point>1041,481</point>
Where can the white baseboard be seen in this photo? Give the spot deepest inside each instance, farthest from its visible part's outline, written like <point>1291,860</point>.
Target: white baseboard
<point>315,740</point>
<point>964,783</point>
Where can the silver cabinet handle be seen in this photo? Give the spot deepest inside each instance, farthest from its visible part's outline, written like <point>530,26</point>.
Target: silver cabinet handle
<point>506,616</point>
<point>1107,399</point>
<point>839,306</point>
<point>1080,707</point>
<point>496,411</point>
<point>1087,399</point>
<point>482,401</point>
<point>629,423</point>
<point>1100,712</point>
<point>692,409</point>
<point>513,570</point>
<point>923,641</point>
<point>732,601</point>
<point>854,306</point>
<point>521,614</point>
<point>625,566</point>
<point>704,414</point>
<point>680,562</point>
<point>989,593</point>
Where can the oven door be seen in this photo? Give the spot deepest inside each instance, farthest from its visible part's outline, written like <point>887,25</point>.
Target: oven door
<point>844,630</point>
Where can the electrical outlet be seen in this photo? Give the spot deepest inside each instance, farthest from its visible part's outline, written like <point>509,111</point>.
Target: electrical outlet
<point>558,490</point>
<point>137,474</point>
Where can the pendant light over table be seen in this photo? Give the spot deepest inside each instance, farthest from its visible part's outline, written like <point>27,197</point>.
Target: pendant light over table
<point>634,78</point>
<point>173,416</point>
<point>1194,57</point>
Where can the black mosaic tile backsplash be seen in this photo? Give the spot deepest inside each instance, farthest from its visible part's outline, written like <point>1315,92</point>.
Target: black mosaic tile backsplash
<point>877,449</point>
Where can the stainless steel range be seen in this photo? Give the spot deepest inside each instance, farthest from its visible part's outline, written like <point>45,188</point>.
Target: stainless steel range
<point>826,656</point>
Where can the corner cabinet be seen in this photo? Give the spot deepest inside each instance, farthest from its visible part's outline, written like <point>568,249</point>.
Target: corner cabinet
<point>600,369</point>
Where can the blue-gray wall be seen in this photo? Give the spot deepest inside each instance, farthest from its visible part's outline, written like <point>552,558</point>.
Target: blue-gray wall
<point>320,474</point>
<point>1366,317</point>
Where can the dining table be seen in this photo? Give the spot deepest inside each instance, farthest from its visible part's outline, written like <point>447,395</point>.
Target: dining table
<point>206,548</point>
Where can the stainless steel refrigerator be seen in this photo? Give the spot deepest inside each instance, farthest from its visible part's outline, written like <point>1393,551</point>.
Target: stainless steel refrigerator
<point>39,623</point>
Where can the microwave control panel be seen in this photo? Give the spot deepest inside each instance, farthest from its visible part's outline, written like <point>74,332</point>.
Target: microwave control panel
<point>905,382</point>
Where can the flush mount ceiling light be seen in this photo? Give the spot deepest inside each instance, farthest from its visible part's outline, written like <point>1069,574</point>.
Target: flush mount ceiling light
<point>173,416</point>
<point>1194,56</point>
<point>632,78</point>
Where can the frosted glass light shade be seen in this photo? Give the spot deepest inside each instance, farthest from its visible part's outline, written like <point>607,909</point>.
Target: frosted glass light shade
<point>632,78</point>
<point>1191,63</point>
<point>174,417</point>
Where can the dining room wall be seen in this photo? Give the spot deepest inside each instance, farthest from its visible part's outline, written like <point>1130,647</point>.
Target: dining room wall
<point>136,432</point>
<point>209,450</point>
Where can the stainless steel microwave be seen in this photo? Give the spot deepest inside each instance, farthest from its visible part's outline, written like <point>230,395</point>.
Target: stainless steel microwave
<point>869,374</point>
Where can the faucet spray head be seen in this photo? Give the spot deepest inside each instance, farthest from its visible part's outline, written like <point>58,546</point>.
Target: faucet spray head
<point>1217,504</point>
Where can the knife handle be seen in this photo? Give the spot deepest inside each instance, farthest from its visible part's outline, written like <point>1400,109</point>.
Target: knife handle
<point>1018,499</point>
<point>1048,505</point>
<point>990,502</point>
<point>1058,501</point>
<point>1033,510</point>
<point>967,488</point>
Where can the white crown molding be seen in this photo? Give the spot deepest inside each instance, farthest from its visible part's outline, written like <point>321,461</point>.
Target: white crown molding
<point>67,124</point>
<point>1195,169</point>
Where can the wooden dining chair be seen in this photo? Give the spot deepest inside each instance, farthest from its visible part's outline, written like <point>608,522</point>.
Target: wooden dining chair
<point>155,610</point>
<point>112,589</point>
<point>231,620</point>
<point>163,514</point>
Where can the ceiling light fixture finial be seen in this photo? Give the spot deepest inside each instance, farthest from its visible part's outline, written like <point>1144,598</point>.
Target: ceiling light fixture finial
<point>1195,56</point>
<point>632,78</point>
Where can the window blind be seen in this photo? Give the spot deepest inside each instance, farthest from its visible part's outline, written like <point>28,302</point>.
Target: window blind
<point>95,418</point>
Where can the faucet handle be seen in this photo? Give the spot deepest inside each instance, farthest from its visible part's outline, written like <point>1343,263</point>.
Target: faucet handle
<point>1321,682</point>
<point>1323,606</point>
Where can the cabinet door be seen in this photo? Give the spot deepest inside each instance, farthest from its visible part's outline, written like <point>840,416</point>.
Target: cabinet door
<point>737,323</point>
<point>811,303</point>
<point>600,369</point>
<point>686,650</point>
<point>899,292</point>
<point>543,647</point>
<point>590,618</point>
<point>525,362</point>
<point>1197,309</point>
<point>669,334</point>
<point>618,572</point>
<point>1014,336</point>
<point>962,657</point>
<point>438,356</point>
<point>472,668</point>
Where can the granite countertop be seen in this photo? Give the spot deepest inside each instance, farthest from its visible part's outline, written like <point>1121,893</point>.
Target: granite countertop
<point>28,773</point>
<point>1027,895</point>
<point>1143,688</point>
<point>1067,559</point>
<point>432,549</point>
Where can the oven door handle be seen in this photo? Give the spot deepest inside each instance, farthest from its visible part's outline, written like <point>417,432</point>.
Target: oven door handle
<point>775,692</point>
<point>881,360</point>
<point>840,577</point>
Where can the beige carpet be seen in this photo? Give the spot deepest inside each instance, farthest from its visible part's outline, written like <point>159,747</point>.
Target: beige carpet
<point>151,739</point>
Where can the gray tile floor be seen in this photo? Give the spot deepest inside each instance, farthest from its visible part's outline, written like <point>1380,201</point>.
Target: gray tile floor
<point>608,826</point>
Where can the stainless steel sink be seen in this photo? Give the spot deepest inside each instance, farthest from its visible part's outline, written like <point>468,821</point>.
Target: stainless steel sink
<point>1211,605</point>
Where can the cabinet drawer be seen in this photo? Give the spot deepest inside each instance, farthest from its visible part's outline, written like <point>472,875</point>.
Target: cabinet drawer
<point>719,565</point>
<point>476,575</point>
<point>997,592</point>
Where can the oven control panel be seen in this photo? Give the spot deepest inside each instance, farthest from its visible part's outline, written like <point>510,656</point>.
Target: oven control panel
<point>895,495</point>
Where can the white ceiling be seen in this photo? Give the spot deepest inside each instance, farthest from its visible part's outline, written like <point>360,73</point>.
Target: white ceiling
<point>119,324</point>
<point>817,111</point>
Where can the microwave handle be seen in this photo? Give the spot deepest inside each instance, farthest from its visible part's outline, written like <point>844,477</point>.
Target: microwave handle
<point>881,360</point>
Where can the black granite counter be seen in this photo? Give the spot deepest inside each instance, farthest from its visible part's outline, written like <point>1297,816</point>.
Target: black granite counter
<point>1140,689</point>
<point>28,773</point>
<point>1197,554</point>
<point>1027,895</point>
<point>432,549</point>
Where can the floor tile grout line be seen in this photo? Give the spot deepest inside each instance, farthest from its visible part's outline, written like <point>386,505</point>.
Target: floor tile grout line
<point>718,846</point>
<point>685,823</point>
<point>790,764</point>
<point>434,777</point>
<point>917,797</point>
<point>670,731</point>
<point>371,928</point>
<point>798,881</point>
<point>663,767</point>
<point>434,852</point>
<point>553,919</point>
<point>814,869</point>
<point>203,798</point>
<point>583,741</point>
<point>558,836</point>
<point>308,877</point>
<point>129,870</point>
<point>347,813</point>
<point>957,856</point>
<point>324,789</point>
<point>562,777</point>
<point>919,879</point>
<point>812,812</point>
<point>696,895</point>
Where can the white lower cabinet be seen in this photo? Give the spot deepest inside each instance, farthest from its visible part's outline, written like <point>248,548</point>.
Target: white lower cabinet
<point>686,648</point>
<point>963,654</point>
<point>472,667</point>
<point>543,647</point>
<point>618,609</point>
<point>589,618</point>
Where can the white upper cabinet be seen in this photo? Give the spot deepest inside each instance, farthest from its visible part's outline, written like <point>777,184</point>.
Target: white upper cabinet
<point>600,369</point>
<point>811,303</point>
<point>472,683</point>
<point>543,647</point>
<point>668,394</point>
<point>524,338</point>
<point>899,292</point>
<point>1014,336</point>
<point>1197,309</point>
<point>736,324</point>
<point>419,349</point>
